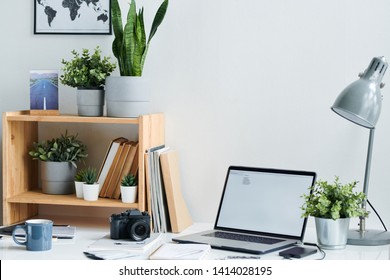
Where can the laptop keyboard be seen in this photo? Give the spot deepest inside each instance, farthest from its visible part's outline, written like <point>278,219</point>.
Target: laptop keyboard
<point>243,237</point>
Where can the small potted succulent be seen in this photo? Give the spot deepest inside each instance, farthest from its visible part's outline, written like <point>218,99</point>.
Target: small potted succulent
<point>90,186</point>
<point>129,188</point>
<point>87,72</point>
<point>332,205</point>
<point>58,159</point>
<point>79,182</point>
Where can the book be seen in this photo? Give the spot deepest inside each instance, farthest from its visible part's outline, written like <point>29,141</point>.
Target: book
<point>115,180</point>
<point>130,166</point>
<point>176,251</point>
<point>179,215</point>
<point>108,159</point>
<point>108,182</point>
<point>160,219</point>
<point>110,249</point>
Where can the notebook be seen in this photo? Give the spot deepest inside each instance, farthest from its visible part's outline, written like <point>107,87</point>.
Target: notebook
<point>175,251</point>
<point>259,211</point>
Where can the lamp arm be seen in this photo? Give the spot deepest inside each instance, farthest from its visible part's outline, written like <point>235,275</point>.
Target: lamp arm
<point>362,225</point>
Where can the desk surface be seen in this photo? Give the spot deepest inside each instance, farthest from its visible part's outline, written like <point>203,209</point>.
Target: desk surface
<point>91,230</point>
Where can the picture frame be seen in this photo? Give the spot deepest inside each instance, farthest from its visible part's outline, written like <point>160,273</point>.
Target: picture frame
<point>72,17</point>
<point>44,99</point>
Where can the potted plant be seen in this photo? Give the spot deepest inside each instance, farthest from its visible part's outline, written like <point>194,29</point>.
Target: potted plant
<point>129,188</point>
<point>90,186</point>
<point>332,205</point>
<point>127,95</point>
<point>87,72</point>
<point>58,158</point>
<point>79,182</point>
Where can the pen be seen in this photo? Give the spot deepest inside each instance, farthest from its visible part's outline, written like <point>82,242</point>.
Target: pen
<point>129,243</point>
<point>188,253</point>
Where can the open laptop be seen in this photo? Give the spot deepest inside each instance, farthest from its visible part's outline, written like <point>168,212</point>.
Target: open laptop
<point>259,212</point>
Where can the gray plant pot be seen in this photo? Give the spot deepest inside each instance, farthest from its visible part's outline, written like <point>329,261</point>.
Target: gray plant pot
<point>332,234</point>
<point>57,177</point>
<point>127,96</point>
<point>90,102</point>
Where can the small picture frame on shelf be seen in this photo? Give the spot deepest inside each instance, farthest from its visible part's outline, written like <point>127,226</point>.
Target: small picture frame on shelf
<point>72,17</point>
<point>44,92</point>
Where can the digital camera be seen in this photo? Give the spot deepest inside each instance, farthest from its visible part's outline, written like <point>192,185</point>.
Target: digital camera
<point>131,224</point>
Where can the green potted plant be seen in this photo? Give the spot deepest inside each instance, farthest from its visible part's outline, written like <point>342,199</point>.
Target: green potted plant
<point>90,186</point>
<point>58,158</point>
<point>87,72</point>
<point>127,95</point>
<point>332,205</point>
<point>129,188</point>
<point>79,182</point>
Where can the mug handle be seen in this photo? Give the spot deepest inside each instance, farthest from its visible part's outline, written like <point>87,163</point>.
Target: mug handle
<point>14,237</point>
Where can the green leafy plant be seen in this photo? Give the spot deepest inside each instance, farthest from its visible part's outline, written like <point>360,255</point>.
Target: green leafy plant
<point>66,148</point>
<point>334,201</point>
<point>129,180</point>
<point>90,175</point>
<point>130,45</point>
<point>86,70</point>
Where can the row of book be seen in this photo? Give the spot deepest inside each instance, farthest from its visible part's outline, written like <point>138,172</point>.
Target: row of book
<point>165,200</point>
<point>121,159</point>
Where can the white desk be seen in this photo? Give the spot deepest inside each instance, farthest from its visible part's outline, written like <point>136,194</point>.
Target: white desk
<point>91,230</point>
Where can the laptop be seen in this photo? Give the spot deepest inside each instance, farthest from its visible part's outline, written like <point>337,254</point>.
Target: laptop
<point>259,212</point>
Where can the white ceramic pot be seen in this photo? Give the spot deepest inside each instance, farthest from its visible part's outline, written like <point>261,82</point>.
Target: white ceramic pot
<point>79,189</point>
<point>127,96</point>
<point>91,192</point>
<point>129,194</point>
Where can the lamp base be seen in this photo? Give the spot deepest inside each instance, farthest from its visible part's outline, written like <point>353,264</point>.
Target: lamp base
<point>368,237</point>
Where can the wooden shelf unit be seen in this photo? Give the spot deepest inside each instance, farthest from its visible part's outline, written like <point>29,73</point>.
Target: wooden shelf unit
<point>21,196</point>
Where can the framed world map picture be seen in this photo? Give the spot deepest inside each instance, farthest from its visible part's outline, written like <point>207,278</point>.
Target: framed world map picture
<point>72,17</point>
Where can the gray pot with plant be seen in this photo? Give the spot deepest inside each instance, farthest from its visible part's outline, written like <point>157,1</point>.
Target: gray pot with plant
<point>332,205</point>
<point>128,95</point>
<point>58,158</point>
<point>87,72</point>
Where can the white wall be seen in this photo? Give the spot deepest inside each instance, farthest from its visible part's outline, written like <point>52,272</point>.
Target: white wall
<point>244,82</point>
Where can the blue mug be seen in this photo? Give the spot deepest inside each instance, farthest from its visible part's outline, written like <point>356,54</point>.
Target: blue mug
<point>38,232</point>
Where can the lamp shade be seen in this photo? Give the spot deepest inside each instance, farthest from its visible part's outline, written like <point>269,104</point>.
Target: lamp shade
<point>361,101</point>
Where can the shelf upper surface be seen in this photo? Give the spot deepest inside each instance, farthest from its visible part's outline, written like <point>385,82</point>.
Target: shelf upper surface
<point>37,197</point>
<point>25,116</point>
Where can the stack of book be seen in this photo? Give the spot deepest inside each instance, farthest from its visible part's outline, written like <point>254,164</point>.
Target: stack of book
<point>121,159</point>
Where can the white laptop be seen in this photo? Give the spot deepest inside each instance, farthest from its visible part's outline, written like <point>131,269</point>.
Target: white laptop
<point>260,211</point>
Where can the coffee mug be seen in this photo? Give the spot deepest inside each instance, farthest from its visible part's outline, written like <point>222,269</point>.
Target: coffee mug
<point>38,234</point>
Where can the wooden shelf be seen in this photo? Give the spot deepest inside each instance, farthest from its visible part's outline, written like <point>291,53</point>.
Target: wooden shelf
<point>37,197</point>
<point>20,174</point>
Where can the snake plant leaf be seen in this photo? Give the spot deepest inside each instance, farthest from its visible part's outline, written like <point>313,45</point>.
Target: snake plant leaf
<point>162,10</point>
<point>116,19</point>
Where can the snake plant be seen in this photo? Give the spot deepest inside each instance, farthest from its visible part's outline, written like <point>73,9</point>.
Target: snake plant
<point>130,45</point>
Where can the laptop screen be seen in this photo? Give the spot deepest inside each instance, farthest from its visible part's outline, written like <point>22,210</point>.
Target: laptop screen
<point>264,200</point>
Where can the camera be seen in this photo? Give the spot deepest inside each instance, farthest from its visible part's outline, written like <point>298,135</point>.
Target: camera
<point>131,224</point>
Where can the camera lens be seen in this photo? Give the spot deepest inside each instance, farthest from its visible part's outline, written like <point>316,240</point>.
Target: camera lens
<point>139,230</point>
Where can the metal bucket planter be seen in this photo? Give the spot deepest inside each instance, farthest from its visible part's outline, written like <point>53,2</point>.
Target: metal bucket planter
<point>57,177</point>
<point>90,102</point>
<point>332,234</point>
<point>127,96</point>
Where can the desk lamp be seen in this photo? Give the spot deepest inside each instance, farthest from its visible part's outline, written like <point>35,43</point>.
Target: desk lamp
<point>361,103</point>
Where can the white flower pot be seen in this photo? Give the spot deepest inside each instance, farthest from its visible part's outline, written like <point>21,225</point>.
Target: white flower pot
<point>129,194</point>
<point>127,96</point>
<point>79,189</point>
<point>90,102</point>
<point>91,192</point>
